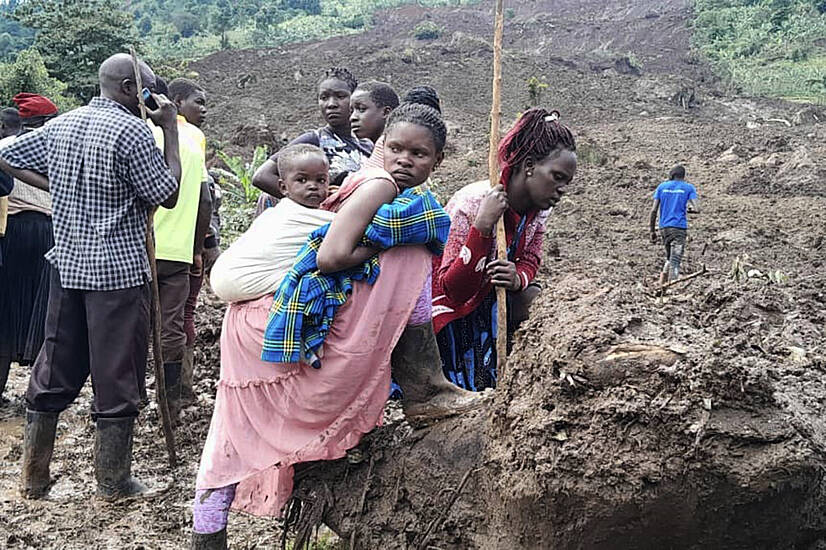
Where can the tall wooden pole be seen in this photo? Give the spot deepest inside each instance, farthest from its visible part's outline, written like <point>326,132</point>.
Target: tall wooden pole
<point>493,172</point>
<point>157,350</point>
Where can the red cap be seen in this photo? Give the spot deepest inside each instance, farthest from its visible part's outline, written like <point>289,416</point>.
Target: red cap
<point>31,105</point>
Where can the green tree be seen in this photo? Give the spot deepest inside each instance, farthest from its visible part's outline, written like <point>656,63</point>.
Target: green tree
<point>536,86</point>
<point>311,7</point>
<point>270,15</point>
<point>221,20</point>
<point>28,73</point>
<point>15,37</point>
<point>145,25</point>
<point>186,23</point>
<point>7,44</point>
<point>246,9</point>
<point>75,36</point>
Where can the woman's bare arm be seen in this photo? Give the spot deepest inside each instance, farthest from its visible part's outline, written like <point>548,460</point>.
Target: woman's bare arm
<point>266,178</point>
<point>31,177</point>
<point>340,249</point>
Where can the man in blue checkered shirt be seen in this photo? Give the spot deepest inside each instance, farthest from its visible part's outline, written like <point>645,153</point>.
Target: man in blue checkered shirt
<point>105,173</point>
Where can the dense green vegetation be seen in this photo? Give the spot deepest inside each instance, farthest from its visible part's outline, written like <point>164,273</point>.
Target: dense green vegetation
<point>763,47</point>
<point>766,47</point>
<point>174,29</point>
<point>28,73</point>
<point>13,36</point>
<point>74,36</point>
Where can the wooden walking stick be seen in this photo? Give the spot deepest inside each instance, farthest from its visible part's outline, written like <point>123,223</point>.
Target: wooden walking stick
<point>493,172</point>
<point>157,350</point>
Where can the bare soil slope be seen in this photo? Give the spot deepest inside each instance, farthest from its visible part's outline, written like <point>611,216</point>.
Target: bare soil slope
<point>627,421</point>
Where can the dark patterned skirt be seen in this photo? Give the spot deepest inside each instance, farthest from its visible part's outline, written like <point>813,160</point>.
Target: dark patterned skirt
<point>24,285</point>
<point>468,347</point>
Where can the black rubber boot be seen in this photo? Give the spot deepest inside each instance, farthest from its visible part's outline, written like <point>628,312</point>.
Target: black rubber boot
<point>213,541</point>
<point>113,459</point>
<point>172,381</point>
<point>187,377</point>
<point>38,445</point>
<point>427,395</point>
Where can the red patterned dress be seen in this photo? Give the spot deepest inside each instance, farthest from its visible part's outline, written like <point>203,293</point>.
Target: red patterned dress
<point>464,300</point>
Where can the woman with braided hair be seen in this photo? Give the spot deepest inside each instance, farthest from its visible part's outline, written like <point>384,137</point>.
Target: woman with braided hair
<point>345,151</point>
<point>538,161</point>
<point>292,403</point>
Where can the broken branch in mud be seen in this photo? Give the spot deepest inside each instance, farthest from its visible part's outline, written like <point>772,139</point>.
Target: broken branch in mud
<point>305,515</point>
<point>441,517</point>
<point>362,501</point>
<point>702,271</point>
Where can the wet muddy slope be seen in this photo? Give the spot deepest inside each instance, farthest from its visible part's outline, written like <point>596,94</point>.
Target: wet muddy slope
<point>627,420</point>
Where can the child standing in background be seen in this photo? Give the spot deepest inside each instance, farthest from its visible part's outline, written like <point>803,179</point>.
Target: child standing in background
<point>191,101</point>
<point>177,232</point>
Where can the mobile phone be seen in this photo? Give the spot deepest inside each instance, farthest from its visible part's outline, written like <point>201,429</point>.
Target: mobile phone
<point>148,100</point>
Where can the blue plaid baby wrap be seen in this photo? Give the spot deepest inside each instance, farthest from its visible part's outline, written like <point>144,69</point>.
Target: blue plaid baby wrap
<point>307,300</point>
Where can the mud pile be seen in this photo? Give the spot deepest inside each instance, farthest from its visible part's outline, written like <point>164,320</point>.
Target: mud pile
<point>625,421</point>
<point>786,173</point>
<point>695,423</point>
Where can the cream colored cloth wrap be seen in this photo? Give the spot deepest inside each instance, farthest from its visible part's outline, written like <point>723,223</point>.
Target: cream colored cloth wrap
<point>254,265</point>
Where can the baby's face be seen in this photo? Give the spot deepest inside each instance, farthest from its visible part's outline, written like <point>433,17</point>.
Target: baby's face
<point>305,180</point>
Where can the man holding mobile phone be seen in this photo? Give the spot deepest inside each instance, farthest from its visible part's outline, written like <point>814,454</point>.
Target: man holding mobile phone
<point>105,173</point>
<point>148,101</point>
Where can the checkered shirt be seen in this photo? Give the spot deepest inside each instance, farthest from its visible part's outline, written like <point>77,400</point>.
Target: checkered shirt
<point>307,300</point>
<point>105,172</point>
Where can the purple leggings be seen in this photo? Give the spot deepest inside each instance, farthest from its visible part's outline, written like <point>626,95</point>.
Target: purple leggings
<point>210,510</point>
<point>424,308</point>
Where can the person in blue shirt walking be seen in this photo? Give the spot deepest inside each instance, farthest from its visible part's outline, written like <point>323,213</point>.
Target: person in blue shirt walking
<point>672,200</point>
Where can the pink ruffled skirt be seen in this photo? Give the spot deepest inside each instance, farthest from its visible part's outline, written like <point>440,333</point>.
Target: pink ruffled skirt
<point>270,416</point>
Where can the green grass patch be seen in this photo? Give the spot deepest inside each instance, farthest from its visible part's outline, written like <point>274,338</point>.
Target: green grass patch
<point>796,80</point>
<point>773,48</point>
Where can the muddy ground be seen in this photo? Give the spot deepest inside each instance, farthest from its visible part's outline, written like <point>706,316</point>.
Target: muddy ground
<point>622,75</point>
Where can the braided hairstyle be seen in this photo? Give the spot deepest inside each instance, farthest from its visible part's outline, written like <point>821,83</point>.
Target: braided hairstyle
<point>535,135</point>
<point>426,95</point>
<point>342,74</point>
<point>381,93</point>
<point>423,115</point>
